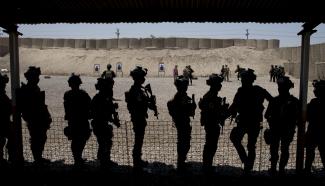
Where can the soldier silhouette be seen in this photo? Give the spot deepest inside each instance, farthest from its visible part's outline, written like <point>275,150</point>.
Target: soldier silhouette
<point>282,115</point>
<point>181,107</point>
<point>108,73</point>
<point>316,126</point>
<point>77,112</point>
<point>31,103</point>
<point>5,113</point>
<point>248,103</point>
<point>103,112</point>
<point>138,103</point>
<point>213,114</point>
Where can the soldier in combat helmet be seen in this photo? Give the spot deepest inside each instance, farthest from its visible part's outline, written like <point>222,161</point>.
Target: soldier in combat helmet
<point>316,126</point>
<point>77,113</point>
<point>108,73</point>
<point>213,114</point>
<point>31,103</point>
<point>248,103</point>
<point>138,102</point>
<point>104,114</point>
<point>181,108</point>
<point>282,115</point>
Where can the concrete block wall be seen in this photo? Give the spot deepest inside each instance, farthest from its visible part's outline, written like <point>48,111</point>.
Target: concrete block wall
<point>193,43</point>
<point>227,43</point>
<point>69,43</point>
<point>251,43</point>
<point>123,43</point>
<point>216,43</point>
<point>170,42</point>
<point>158,43</point>
<point>101,44</point>
<point>181,42</point>
<point>80,43</point>
<point>320,70</point>
<point>145,42</point>
<point>204,43</point>
<point>240,42</point>
<point>112,44</point>
<point>261,44</point>
<point>134,43</point>
<point>37,43</point>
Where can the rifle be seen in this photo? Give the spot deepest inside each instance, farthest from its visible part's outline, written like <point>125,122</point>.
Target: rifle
<point>152,100</point>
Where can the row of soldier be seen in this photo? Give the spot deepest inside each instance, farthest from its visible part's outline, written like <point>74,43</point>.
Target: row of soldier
<point>282,115</point>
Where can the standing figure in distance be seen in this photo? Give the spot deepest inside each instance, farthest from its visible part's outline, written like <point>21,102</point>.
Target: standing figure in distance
<point>31,103</point>
<point>103,112</point>
<point>5,113</point>
<point>138,103</point>
<point>108,73</point>
<point>248,103</point>
<point>77,113</point>
<point>181,108</point>
<point>315,136</point>
<point>282,115</point>
<point>175,72</point>
<point>213,114</point>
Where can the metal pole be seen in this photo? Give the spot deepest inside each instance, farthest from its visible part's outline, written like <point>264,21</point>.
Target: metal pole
<point>15,81</point>
<point>304,69</point>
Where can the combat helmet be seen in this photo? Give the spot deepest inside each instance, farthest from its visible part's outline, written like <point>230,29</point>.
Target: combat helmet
<point>3,79</point>
<point>103,84</point>
<point>32,72</point>
<point>74,79</point>
<point>181,81</point>
<point>319,88</point>
<point>138,72</point>
<point>285,81</point>
<point>214,79</point>
<point>109,66</point>
<point>248,75</point>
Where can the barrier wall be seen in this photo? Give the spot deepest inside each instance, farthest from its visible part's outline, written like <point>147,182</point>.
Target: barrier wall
<point>26,43</point>
<point>37,43</point>
<point>227,43</point>
<point>320,70</point>
<point>181,42</point>
<point>58,43</point>
<point>193,43</point>
<point>48,43</point>
<point>134,43</point>
<point>252,43</point>
<point>90,44</point>
<point>69,43</point>
<point>112,44</point>
<point>145,42</point>
<point>240,42</point>
<point>273,43</point>
<point>261,44</point>
<point>80,43</point>
<point>101,44</point>
<point>204,43</point>
<point>170,42</point>
<point>216,43</point>
<point>123,43</point>
<point>158,43</point>
<point>315,53</point>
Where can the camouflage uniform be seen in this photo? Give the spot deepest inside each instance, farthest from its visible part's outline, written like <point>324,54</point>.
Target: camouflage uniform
<point>108,73</point>
<point>31,103</point>
<point>316,128</point>
<point>181,108</point>
<point>138,103</point>
<point>77,107</point>
<point>282,115</point>
<point>248,103</point>
<point>102,110</point>
<point>213,114</point>
<point>5,112</point>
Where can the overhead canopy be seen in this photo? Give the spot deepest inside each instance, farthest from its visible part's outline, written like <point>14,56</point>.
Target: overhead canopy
<point>133,11</point>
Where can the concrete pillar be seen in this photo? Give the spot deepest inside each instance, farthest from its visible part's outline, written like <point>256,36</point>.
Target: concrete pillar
<point>158,43</point>
<point>37,43</point>
<point>170,42</point>
<point>26,42</point>
<point>251,43</point>
<point>273,43</point>
<point>204,43</point>
<point>123,43</point>
<point>193,43</point>
<point>69,43</point>
<point>261,44</point>
<point>240,42</point>
<point>134,43</point>
<point>216,43</point>
<point>181,42</point>
<point>80,43</point>
<point>90,44</point>
<point>112,44</point>
<point>145,42</point>
<point>227,43</point>
<point>58,43</point>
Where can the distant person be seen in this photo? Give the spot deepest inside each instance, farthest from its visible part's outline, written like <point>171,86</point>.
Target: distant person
<point>248,104</point>
<point>213,114</point>
<point>223,71</point>
<point>227,72</point>
<point>175,72</point>
<point>271,72</point>
<point>31,103</point>
<point>181,108</point>
<point>315,136</point>
<point>138,103</point>
<point>108,73</point>
<point>77,113</point>
<point>239,70</point>
<point>5,114</point>
<point>282,115</point>
<point>104,114</point>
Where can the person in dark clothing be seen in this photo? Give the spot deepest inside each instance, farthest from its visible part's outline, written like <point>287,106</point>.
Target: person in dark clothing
<point>77,112</point>
<point>213,114</point>
<point>138,102</point>
<point>31,104</point>
<point>104,114</point>
<point>108,73</point>
<point>248,103</point>
<point>181,108</point>
<point>316,126</point>
<point>5,121</point>
<point>282,115</point>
